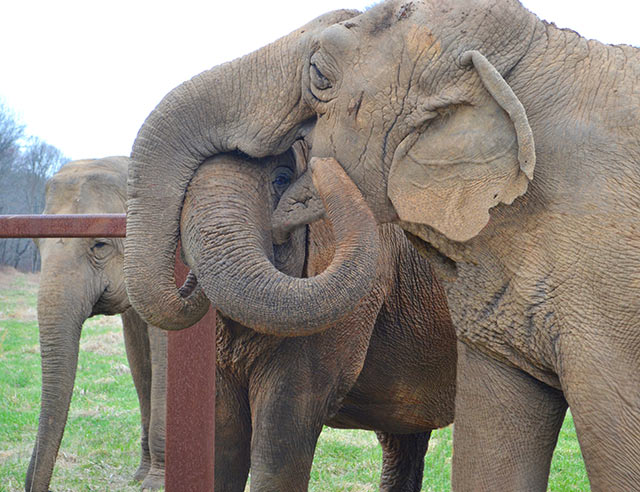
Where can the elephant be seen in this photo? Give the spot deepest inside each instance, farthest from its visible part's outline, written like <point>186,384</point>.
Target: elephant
<point>506,148</point>
<point>82,277</point>
<point>388,365</point>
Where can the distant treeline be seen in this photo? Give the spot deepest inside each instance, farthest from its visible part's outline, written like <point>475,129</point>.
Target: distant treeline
<point>25,165</point>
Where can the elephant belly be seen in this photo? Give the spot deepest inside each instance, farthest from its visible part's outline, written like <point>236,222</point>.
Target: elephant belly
<point>403,407</point>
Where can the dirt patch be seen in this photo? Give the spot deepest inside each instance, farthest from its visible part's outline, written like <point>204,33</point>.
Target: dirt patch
<point>105,380</point>
<point>9,276</point>
<point>6,455</point>
<point>23,312</point>
<point>17,453</point>
<point>105,321</point>
<point>121,369</point>
<point>17,294</point>
<point>18,312</point>
<point>65,459</point>
<point>87,412</point>
<point>107,344</point>
<point>33,349</point>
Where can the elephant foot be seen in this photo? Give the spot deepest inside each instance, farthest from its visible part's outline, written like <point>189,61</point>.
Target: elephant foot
<point>142,470</point>
<point>154,479</point>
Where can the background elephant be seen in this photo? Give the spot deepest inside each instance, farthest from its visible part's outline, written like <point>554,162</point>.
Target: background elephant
<point>441,111</point>
<point>82,277</point>
<point>388,366</point>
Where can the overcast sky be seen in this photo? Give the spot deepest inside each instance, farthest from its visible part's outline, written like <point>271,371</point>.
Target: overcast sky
<point>83,75</point>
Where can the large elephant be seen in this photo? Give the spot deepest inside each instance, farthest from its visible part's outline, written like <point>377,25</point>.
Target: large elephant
<point>507,149</point>
<point>82,277</point>
<point>388,366</point>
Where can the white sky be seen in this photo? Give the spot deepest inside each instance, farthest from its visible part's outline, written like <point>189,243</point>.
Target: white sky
<point>83,75</point>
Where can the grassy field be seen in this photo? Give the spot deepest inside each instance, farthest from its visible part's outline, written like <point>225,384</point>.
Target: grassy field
<point>99,451</point>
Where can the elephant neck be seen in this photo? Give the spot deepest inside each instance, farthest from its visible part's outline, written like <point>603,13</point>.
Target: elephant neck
<point>564,76</point>
<point>491,250</point>
<point>442,253</point>
<point>581,100</point>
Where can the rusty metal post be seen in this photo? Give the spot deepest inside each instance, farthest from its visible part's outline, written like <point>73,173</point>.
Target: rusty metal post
<point>191,400</point>
<point>95,225</point>
<point>191,383</point>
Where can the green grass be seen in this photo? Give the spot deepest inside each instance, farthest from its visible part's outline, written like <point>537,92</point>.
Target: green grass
<point>349,460</point>
<point>100,448</point>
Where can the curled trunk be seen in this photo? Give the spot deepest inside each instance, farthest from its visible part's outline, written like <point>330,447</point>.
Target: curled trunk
<point>218,111</point>
<point>227,239</point>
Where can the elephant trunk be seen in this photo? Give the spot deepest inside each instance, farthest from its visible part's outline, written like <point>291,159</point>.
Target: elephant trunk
<point>61,313</point>
<point>226,234</point>
<point>220,110</point>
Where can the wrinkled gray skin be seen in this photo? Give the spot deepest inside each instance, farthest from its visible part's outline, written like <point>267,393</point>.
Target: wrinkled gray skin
<point>509,149</point>
<point>82,277</point>
<point>388,366</point>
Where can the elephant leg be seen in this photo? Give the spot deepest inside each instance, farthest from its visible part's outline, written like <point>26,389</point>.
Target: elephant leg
<point>233,434</point>
<point>157,425</point>
<point>282,448</point>
<point>506,426</point>
<point>288,408</point>
<point>136,342</point>
<point>602,385</point>
<point>402,461</point>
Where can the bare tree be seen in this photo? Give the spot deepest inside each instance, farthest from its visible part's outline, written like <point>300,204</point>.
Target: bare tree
<point>39,161</point>
<point>25,166</point>
<point>11,133</point>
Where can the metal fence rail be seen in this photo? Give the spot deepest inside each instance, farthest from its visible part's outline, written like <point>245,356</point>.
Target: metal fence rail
<point>189,446</point>
<point>96,225</point>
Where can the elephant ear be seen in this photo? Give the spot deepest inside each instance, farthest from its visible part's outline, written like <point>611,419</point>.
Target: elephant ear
<point>475,153</point>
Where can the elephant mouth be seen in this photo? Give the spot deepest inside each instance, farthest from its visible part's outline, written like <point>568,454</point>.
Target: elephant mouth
<point>108,304</point>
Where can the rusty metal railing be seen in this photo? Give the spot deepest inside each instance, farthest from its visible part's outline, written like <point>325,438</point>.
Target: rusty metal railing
<point>96,225</point>
<point>191,379</point>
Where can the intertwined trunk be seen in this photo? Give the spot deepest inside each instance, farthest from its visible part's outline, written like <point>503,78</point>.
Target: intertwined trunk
<point>226,234</point>
<point>220,110</point>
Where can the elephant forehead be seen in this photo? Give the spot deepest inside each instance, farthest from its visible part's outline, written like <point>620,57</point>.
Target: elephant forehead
<point>339,39</point>
<point>385,15</point>
<point>405,61</point>
<point>85,197</point>
<point>420,42</point>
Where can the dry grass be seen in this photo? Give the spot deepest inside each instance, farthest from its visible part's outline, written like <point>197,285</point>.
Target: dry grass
<point>9,276</point>
<point>23,312</point>
<point>107,344</point>
<point>19,306</point>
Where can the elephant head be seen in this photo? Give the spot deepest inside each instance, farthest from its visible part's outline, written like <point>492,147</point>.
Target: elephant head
<point>403,96</point>
<point>426,126</point>
<point>80,277</point>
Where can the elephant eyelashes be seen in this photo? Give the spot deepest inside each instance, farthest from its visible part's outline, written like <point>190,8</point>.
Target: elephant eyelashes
<point>320,84</point>
<point>318,79</point>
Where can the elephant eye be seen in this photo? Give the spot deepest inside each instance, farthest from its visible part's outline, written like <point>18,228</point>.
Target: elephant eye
<point>318,79</point>
<point>100,248</point>
<point>282,177</point>
<point>322,77</point>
